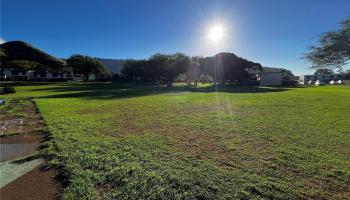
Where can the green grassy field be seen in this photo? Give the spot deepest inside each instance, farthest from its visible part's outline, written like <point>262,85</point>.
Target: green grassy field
<point>115,141</point>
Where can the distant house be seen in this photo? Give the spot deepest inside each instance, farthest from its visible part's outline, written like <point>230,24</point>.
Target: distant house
<point>45,75</point>
<point>32,75</point>
<point>75,77</point>
<point>322,78</point>
<point>14,75</point>
<point>96,77</point>
<point>270,76</point>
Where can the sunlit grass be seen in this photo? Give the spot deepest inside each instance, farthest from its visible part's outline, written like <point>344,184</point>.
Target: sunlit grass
<point>136,142</point>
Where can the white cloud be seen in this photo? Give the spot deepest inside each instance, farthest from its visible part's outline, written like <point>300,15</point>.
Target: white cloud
<point>2,40</point>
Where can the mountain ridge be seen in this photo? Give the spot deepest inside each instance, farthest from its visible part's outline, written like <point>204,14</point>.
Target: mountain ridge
<point>114,65</point>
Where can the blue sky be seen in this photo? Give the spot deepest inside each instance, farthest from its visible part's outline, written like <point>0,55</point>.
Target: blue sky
<point>274,33</point>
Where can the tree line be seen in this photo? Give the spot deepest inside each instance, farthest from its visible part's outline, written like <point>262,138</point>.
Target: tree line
<point>165,68</point>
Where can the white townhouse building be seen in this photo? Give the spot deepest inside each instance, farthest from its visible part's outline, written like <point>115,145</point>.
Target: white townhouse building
<point>322,78</point>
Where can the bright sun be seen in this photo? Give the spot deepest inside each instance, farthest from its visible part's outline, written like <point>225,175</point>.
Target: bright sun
<point>216,33</point>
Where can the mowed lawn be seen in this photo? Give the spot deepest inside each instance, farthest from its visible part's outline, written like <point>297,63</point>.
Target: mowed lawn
<point>119,141</point>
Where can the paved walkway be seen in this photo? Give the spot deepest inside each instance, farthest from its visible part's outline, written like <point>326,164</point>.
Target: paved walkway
<point>21,171</point>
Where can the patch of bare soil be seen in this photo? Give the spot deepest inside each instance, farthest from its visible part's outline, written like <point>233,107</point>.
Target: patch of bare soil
<point>36,185</point>
<point>202,145</point>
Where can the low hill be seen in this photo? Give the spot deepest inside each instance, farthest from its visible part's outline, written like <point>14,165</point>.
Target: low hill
<point>114,65</point>
<point>19,50</point>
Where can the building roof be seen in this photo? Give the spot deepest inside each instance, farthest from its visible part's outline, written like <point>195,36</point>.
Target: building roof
<point>284,72</point>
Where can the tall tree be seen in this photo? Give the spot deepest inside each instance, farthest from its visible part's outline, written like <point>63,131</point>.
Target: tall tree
<point>86,65</point>
<point>136,70</point>
<point>332,50</point>
<point>177,64</point>
<point>225,67</point>
<point>193,71</point>
<point>157,62</point>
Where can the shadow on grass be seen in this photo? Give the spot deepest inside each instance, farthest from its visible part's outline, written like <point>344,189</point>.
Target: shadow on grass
<point>24,83</point>
<point>123,90</point>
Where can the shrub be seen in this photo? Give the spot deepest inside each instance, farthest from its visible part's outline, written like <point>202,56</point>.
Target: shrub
<point>289,83</point>
<point>7,90</point>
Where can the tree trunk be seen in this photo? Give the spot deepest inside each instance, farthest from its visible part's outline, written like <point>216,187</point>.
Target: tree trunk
<point>85,77</point>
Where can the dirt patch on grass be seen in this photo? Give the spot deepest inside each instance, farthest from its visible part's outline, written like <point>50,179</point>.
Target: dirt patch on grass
<point>217,108</point>
<point>36,185</point>
<point>90,111</point>
<point>97,110</point>
<point>202,144</point>
<point>195,142</point>
<point>198,140</point>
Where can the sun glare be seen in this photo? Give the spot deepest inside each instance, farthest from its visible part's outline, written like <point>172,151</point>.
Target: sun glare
<point>216,33</point>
